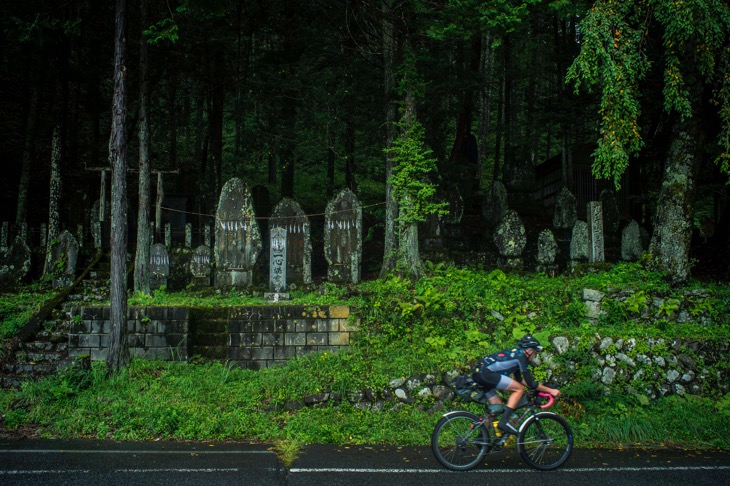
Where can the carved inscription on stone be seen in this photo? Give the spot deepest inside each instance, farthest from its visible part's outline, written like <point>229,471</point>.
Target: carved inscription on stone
<point>595,232</point>
<point>343,238</point>
<point>159,266</point>
<point>277,260</point>
<point>237,236</point>
<point>289,216</point>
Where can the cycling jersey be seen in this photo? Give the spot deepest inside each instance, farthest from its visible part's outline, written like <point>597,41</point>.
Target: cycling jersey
<point>504,363</point>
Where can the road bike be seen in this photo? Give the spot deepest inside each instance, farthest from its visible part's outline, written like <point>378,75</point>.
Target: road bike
<point>461,439</point>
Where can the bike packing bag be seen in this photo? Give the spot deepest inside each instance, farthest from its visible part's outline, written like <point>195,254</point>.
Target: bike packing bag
<point>466,389</point>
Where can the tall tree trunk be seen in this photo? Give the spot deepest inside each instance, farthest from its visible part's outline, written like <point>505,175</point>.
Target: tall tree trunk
<point>508,128</point>
<point>391,206</point>
<point>330,163</point>
<point>485,95</point>
<point>216,120</point>
<point>54,217</point>
<point>57,153</point>
<point>350,155</point>
<point>28,151</point>
<point>142,257</point>
<point>670,241</point>
<point>118,354</point>
<point>172,118</point>
<point>272,168</point>
<point>464,121</point>
<point>287,178</point>
<point>409,257</point>
<point>498,132</point>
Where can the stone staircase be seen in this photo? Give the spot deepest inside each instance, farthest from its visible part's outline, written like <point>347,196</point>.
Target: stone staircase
<point>46,351</point>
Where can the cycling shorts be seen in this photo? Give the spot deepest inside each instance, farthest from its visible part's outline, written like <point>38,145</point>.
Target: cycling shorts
<point>490,380</point>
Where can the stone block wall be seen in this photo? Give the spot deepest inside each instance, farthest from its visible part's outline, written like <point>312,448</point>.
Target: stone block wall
<point>152,333</point>
<point>259,337</point>
<point>253,337</point>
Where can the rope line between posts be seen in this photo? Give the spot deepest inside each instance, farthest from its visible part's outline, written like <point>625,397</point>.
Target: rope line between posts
<point>269,217</point>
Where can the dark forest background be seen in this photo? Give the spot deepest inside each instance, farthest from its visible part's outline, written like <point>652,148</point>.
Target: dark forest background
<point>298,98</point>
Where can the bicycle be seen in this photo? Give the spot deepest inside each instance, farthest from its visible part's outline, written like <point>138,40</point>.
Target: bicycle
<point>461,439</point>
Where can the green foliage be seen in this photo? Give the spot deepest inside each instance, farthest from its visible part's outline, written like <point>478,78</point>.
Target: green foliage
<point>637,302</point>
<point>466,18</point>
<point>614,58</point>
<point>637,420</point>
<point>611,59</point>
<point>17,308</point>
<point>413,162</point>
<point>439,323</point>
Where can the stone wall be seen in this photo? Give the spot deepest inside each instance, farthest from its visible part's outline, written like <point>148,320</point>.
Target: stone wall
<point>254,337</point>
<point>650,368</point>
<point>152,333</point>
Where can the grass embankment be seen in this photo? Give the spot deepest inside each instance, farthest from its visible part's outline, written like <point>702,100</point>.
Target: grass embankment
<point>17,308</point>
<point>440,323</point>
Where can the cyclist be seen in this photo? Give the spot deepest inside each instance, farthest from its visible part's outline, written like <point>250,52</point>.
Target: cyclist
<point>493,374</point>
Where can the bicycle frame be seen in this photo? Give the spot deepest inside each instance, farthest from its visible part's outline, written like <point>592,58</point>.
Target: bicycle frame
<point>544,439</point>
<point>528,412</point>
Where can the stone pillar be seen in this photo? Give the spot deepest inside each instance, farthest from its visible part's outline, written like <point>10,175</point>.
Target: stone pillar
<point>100,223</point>
<point>510,238</point>
<point>4,237</point>
<point>547,250</point>
<point>200,267</point>
<point>595,232</point>
<point>290,216</point>
<point>159,266</point>
<point>168,235</point>
<point>237,236</point>
<point>64,255</point>
<point>188,235</point>
<point>579,244</point>
<point>565,212</point>
<point>631,247</point>
<point>277,264</point>
<point>343,237</point>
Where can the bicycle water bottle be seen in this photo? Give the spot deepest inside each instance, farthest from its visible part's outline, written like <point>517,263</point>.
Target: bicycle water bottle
<point>497,431</point>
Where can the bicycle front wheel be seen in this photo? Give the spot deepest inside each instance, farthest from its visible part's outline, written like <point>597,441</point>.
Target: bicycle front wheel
<point>545,441</point>
<point>459,441</point>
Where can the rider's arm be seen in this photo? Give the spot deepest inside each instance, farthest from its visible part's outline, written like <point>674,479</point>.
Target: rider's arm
<point>546,389</point>
<point>529,381</point>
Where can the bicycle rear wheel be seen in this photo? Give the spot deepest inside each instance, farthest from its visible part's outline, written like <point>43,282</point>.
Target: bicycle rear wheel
<point>459,441</point>
<point>545,441</point>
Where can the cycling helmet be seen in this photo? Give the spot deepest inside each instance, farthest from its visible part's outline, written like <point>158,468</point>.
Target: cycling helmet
<point>527,341</point>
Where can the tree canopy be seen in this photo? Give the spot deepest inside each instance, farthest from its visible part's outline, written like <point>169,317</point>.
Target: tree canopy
<point>302,98</point>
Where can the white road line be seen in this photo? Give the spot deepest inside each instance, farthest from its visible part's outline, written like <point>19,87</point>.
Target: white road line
<point>45,471</point>
<point>119,451</point>
<point>510,471</point>
<point>174,470</point>
<point>17,472</point>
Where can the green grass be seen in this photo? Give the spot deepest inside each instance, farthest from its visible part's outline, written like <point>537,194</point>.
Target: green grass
<point>17,307</point>
<point>439,323</point>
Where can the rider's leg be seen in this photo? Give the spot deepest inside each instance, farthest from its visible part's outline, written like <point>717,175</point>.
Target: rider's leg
<point>516,390</point>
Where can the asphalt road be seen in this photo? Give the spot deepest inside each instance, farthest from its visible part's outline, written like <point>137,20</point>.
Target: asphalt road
<point>59,462</point>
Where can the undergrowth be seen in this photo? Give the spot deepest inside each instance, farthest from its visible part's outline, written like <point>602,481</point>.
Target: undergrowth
<point>442,322</point>
<point>17,307</point>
